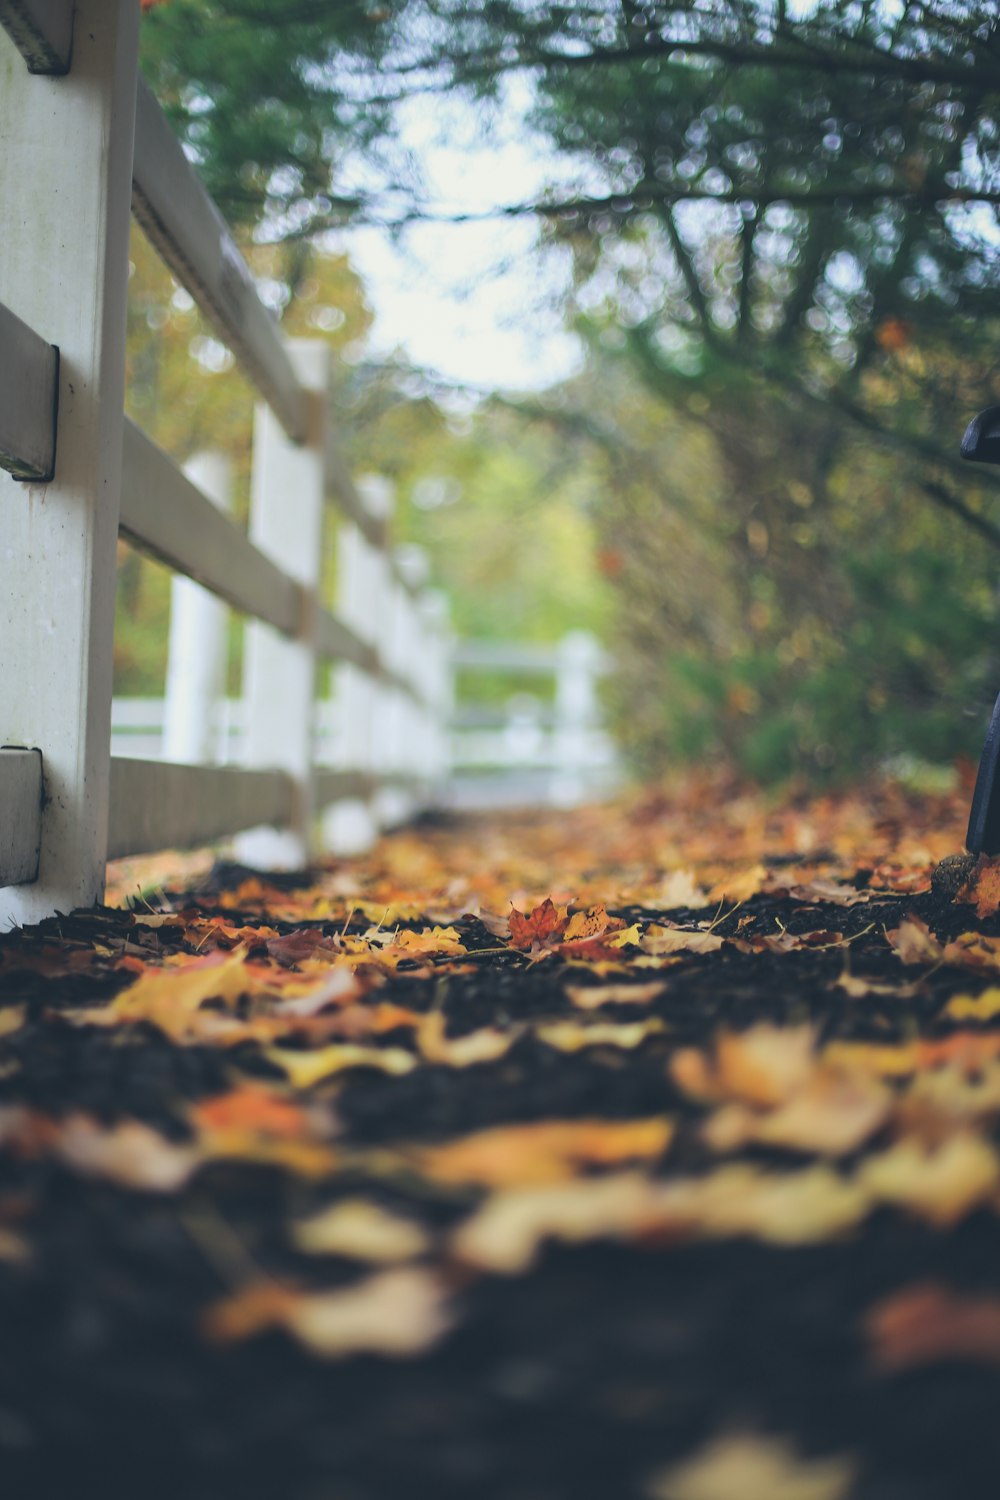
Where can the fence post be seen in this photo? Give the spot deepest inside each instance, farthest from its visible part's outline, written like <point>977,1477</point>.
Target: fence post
<point>579,659</point>
<point>286,521</point>
<point>439,679</point>
<point>352,825</point>
<point>65,183</point>
<point>196,656</point>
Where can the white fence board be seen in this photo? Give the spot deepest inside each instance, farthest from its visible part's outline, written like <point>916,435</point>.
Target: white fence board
<point>163,513</point>
<point>29,372</point>
<point>42,31</point>
<point>158,805</point>
<point>20,815</point>
<point>181,220</point>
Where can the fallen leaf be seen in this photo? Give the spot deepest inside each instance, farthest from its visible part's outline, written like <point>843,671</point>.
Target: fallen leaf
<point>940,1184</point>
<point>741,886</point>
<point>303,1069</point>
<point>396,1313</point>
<point>927,1323</point>
<point>169,997</point>
<point>751,1466</point>
<point>765,1064</point>
<point>981,1007</point>
<point>832,1115</point>
<point>829,892</point>
<point>678,889</point>
<point>663,939</point>
<point>591,923</point>
<point>913,943</point>
<point>130,1154</point>
<point>592,996</point>
<point>782,1208</point>
<point>788,942</point>
<point>12,1018</point>
<point>982,889</point>
<point>544,1151</point>
<point>251,1106</point>
<point>573,1036</point>
<point>362,1230</point>
<point>973,950</point>
<point>484,1045</point>
<point>506,1234</point>
<point>541,924</point>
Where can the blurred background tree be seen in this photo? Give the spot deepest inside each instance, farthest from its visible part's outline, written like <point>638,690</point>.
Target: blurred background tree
<point>785,239</point>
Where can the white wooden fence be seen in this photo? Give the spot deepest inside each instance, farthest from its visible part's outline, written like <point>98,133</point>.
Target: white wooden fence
<point>81,142</point>
<point>543,744</point>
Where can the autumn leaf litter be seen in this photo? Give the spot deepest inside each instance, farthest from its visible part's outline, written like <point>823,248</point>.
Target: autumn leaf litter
<point>695,1118</point>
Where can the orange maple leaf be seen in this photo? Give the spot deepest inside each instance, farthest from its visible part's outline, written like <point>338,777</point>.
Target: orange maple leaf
<point>541,924</point>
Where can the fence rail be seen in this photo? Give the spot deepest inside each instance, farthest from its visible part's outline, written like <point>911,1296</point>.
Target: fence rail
<point>86,146</point>
<point>524,749</point>
<point>83,147</point>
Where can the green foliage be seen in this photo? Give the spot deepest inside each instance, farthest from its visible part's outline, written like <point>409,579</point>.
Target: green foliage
<point>784,244</point>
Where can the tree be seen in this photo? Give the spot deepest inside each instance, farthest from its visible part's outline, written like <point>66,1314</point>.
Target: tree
<point>787,225</point>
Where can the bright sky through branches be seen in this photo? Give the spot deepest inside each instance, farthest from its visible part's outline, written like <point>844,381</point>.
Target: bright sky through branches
<point>476,304</point>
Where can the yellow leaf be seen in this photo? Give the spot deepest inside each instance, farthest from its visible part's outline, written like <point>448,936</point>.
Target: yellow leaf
<point>984,1007</point>
<point>361,1230</point>
<point>545,1151</point>
<point>573,1036</point>
<point>306,1068</point>
<point>460,1052</point>
<point>507,1232</point>
<point>12,1019</point>
<point>739,887</point>
<point>833,1114</point>
<point>941,1185</point>
<point>746,1466</point>
<point>591,996</point>
<point>169,997</point>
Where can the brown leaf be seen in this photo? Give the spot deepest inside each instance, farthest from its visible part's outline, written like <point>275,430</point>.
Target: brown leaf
<point>663,938</point>
<point>823,891</point>
<point>591,923</point>
<point>982,889</point>
<point>914,943</point>
<point>927,1323</point>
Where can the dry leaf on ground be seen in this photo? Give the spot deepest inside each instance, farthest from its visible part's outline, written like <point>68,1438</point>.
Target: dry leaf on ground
<point>748,1466</point>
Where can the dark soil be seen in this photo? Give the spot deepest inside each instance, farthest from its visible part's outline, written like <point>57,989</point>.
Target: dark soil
<point>579,1379</point>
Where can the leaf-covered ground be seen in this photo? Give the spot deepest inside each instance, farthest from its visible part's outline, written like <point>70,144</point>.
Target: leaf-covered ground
<point>648,1151</point>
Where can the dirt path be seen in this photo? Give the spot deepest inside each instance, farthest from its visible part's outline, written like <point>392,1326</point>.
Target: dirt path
<point>638,1152</point>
